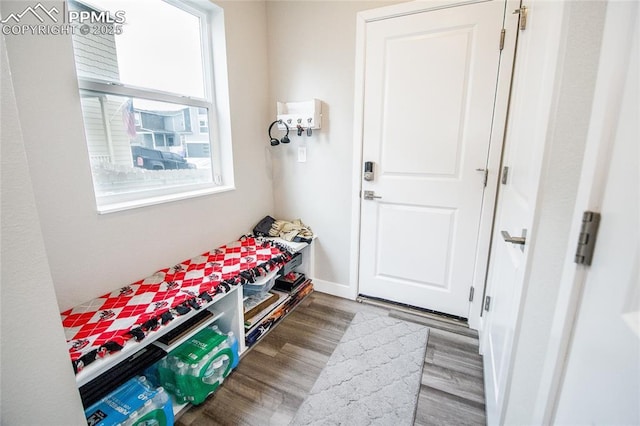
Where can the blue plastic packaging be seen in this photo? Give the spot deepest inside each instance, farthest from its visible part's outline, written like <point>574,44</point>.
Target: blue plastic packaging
<point>135,403</point>
<point>234,348</point>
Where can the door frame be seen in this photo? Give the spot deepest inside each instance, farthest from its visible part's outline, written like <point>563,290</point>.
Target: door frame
<point>619,39</point>
<point>558,298</point>
<point>495,151</point>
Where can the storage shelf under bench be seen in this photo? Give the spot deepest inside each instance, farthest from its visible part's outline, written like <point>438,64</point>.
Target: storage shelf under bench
<point>227,312</point>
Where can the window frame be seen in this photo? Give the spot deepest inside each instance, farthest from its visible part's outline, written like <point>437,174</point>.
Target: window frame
<point>216,102</point>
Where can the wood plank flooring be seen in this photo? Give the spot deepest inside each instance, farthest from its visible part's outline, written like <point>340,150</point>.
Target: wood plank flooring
<point>273,379</point>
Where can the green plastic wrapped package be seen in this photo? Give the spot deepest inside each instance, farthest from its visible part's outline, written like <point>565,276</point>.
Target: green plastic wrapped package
<point>195,369</point>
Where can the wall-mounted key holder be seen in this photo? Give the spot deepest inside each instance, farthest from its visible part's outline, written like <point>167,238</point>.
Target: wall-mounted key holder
<point>304,116</point>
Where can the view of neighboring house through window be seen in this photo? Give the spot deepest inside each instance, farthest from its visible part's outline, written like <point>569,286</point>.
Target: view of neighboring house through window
<point>147,102</point>
<point>203,121</point>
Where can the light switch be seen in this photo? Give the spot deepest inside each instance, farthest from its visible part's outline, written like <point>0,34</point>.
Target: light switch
<point>302,154</point>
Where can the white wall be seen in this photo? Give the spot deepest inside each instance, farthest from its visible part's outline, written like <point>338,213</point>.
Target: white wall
<point>312,55</point>
<point>91,254</point>
<point>37,383</point>
<point>56,250</point>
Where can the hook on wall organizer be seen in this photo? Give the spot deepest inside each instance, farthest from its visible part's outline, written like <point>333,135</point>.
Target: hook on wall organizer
<point>305,116</point>
<point>285,138</point>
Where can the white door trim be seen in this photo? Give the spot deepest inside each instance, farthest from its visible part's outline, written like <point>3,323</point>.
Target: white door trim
<point>617,41</point>
<point>498,127</point>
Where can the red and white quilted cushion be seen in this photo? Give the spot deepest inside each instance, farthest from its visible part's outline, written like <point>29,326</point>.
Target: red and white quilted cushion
<point>105,324</point>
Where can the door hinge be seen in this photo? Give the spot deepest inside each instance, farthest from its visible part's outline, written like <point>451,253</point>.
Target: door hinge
<point>502,33</point>
<point>487,303</point>
<point>505,175</point>
<point>486,175</point>
<point>587,238</point>
<point>522,11</point>
<point>471,291</point>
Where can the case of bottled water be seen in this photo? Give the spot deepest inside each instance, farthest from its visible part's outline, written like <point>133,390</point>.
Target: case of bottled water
<point>136,403</point>
<point>196,368</point>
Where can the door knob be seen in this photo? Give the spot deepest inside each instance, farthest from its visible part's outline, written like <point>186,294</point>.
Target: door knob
<point>370,195</point>
<point>514,240</point>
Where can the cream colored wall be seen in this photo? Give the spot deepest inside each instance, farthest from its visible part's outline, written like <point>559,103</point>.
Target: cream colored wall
<point>37,385</point>
<point>312,55</point>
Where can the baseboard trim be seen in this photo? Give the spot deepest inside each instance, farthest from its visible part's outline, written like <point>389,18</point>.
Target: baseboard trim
<point>334,289</point>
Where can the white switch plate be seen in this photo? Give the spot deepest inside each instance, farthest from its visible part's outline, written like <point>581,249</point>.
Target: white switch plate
<point>302,154</point>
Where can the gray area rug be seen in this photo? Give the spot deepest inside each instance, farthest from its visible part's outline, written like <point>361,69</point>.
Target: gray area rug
<point>372,377</point>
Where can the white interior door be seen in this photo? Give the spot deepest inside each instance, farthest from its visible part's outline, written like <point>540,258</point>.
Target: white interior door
<point>429,93</point>
<point>529,112</point>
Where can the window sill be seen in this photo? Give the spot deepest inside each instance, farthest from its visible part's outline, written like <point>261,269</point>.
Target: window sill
<point>161,199</point>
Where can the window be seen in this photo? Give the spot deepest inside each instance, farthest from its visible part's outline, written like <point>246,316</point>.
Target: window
<point>148,98</point>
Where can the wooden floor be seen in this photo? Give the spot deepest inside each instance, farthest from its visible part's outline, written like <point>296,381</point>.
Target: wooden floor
<point>273,379</point>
